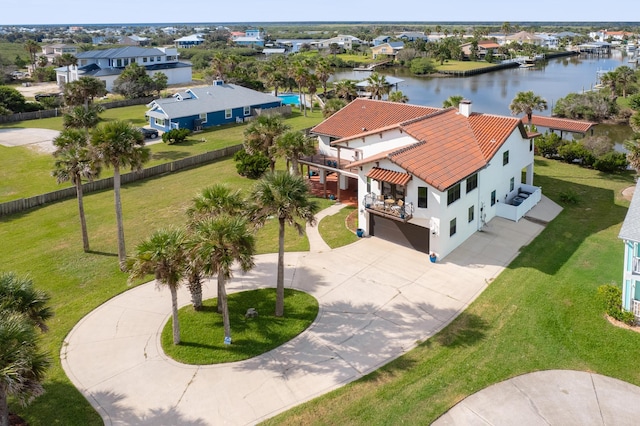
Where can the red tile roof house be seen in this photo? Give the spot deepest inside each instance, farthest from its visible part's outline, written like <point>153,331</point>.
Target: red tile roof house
<point>430,177</point>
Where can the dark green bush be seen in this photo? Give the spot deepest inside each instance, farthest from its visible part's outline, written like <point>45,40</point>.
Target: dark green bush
<point>611,162</point>
<point>569,196</point>
<point>251,166</point>
<point>175,136</point>
<point>547,145</point>
<point>575,152</point>
<point>611,297</point>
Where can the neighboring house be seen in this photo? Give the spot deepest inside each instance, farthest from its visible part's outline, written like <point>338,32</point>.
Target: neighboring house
<point>549,41</point>
<point>107,65</point>
<point>346,42</point>
<point>413,36</point>
<point>381,40</point>
<point>294,45</point>
<point>189,41</point>
<point>630,234</point>
<point>52,51</point>
<point>214,105</point>
<point>251,37</point>
<point>484,47</point>
<point>525,37</point>
<point>134,40</point>
<point>274,51</point>
<point>387,50</point>
<point>430,177</point>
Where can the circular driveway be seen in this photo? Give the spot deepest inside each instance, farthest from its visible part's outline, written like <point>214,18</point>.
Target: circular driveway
<point>37,139</point>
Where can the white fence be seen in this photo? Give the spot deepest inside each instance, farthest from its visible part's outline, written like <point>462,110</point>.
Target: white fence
<point>515,213</point>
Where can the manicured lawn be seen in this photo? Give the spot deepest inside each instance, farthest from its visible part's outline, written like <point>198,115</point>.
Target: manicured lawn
<point>452,65</point>
<point>202,334</point>
<point>25,173</point>
<point>334,231</point>
<point>45,244</point>
<point>540,313</point>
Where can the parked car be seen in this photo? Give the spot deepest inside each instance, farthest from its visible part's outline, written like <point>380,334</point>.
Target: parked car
<point>41,96</point>
<point>149,133</point>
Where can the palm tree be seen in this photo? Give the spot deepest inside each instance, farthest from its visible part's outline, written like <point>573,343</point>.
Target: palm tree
<point>345,89</point>
<point>65,60</point>
<point>260,136</point>
<point>625,77</point>
<point>452,101</point>
<point>220,242</point>
<point>73,162</point>
<point>323,72</point>
<point>377,85</point>
<point>32,48</point>
<point>212,201</point>
<point>18,294</point>
<point>398,96</point>
<point>312,88</point>
<point>332,106</point>
<point>300,73</point>
<point>634,122</point>
<point>118,144</point>
<point>292,145</point>
<point>83,91</point>
<point>82,118</point>
<point>163,255</point>
<point>526,102</point>
<point>286,197</point>
<point>633,152</point>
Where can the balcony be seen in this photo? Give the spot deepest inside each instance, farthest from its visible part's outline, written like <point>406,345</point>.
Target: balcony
<point>388,207</point>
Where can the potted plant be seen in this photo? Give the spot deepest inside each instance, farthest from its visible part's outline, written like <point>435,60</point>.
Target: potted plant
<point>360,232</point>
<point>433,257</point>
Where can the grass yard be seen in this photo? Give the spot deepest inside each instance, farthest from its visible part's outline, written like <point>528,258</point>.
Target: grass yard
<point>25,173</point>
<point>45,244</point>
<point>452,65</point>
<point>202,333</point>
<point>334,230</point>
<point>540,313</point>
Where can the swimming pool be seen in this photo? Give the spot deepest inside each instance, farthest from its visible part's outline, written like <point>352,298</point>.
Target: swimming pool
<point>290,99</point>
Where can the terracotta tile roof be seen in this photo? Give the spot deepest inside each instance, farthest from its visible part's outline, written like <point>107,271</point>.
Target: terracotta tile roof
<point>560,124</point>
<point>362,115</point>
<point>491,131</point>
<point>385,175</point>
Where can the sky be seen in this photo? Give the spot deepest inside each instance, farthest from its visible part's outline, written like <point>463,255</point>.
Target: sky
<point>43,12</point>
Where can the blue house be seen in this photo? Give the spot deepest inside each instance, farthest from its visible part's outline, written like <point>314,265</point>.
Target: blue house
<point>214,105</point>
<point>630,234</point>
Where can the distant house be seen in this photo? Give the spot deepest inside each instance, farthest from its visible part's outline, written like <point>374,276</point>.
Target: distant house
<point>525,37</point>
<point>214,105</point>
<point>630,234</point>
<point>549,41</point>
<point>107,65</point>
<point>387,50</point>
<point>251,37</point>
<point>381,40</point>
<point>484,47</point>
<point>134,40</point>
<point>346,42</point>
<point>52,51</point>
<point>413,36</point>
<point>189,41</point>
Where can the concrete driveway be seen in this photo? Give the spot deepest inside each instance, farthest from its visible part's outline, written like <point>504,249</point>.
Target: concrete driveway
<point>37,139</point>
<point>377,301</point>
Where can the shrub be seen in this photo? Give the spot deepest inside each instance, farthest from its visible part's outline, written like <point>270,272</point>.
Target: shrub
<point>611,297</point>
<point>251,166</point>
<point>421,66</point>
<point>575,152</point>
<point>634,101</point>
<point>611,162</point>
<point>547,145</point>
<point>569,196</point>
<point>175,136</point>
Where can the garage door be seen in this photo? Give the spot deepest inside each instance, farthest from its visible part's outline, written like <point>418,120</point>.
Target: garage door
<point>406,234</point>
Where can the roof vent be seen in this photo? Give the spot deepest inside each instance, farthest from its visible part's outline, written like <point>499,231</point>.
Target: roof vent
<point>465,107</point>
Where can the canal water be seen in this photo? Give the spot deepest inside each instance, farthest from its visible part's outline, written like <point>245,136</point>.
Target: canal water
<point>492,92</point>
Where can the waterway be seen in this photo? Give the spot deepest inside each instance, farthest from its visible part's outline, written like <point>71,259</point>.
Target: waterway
<point>492,92</point>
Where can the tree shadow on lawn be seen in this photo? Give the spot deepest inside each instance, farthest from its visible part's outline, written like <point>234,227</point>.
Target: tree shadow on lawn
<point>594,211</point>
<point>170,155</point>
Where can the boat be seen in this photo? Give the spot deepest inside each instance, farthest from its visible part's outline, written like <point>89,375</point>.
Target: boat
<point>631,47</point>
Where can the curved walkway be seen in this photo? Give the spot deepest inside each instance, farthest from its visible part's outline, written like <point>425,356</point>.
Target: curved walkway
<point>377,301</point>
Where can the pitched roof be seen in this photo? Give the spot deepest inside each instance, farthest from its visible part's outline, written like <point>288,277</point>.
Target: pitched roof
<point>631,226</point>
<point>212,98</point>
<point>564,124</point>
<point>120,52</point>
<point>363,114</point>
<point>398,178</point>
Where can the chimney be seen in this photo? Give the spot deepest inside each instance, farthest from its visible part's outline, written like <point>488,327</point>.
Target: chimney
<point>465,107</point>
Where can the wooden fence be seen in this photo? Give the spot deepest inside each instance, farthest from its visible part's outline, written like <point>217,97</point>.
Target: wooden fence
<point>22,204</point>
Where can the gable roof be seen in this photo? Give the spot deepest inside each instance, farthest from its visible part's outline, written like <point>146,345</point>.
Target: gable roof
<point>563,124</point>
<point>218,97</point>
<point>631,226</point>
<point>362,114</point>
<point>120,52</point>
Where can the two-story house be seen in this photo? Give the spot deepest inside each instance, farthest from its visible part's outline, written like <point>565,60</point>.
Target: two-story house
<point>107,65</point>
<point>429,177</point>
<point>630,234</point>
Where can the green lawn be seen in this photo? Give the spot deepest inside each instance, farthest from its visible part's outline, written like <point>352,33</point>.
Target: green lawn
<point>334,231</point>
<point>25,173</point>
<point>451,65</point>
<point>540,313</point>
<point>202,333</point>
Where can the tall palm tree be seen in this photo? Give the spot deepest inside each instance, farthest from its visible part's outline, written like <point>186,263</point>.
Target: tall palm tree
<point>83,91</point>
<point>75,161</point>
<point>286,197</point>
<point>323,71</point>
<point>452,101</point>
<point>81,118</point>
<point>527,102</point>
<point>332,106</point>
<point>633,152</point>
<point>300,73</point>
<point>625,77</point>
<point>32,48</point>
<point>345,89</point>
<point>398,96</point>
<point>634,122</point>
<point>163,255</point>
<point>377,85</point>
<point>118,144</point>
<point>220,242</point>
<point>215,200</point>
<point>292,145</point>
<point>260,136</point>
<point>20,295</point>
<point>66,60</point>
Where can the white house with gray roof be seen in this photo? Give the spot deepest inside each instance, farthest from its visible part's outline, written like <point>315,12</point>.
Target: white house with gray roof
<point>214,105</point>
<point>630,234</point>
<point>107,65</point>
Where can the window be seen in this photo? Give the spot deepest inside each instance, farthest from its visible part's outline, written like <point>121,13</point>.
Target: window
<point>159,58</point>
<point>530,144</point>
<point>452,227</point>
<point>368,185</point>
<point>493,197</point>
<point>422,197</point>
<point>144,59</point>
<point>152,59</point>
<point>511,184</point>
<point>247,110</point>
<point>471,213</point>
<point>453,193</point>
<point>472,183</point>
<point>228,113</point>
<point>203,117</point>
<point>505,158</point>
<point>160,122</point>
